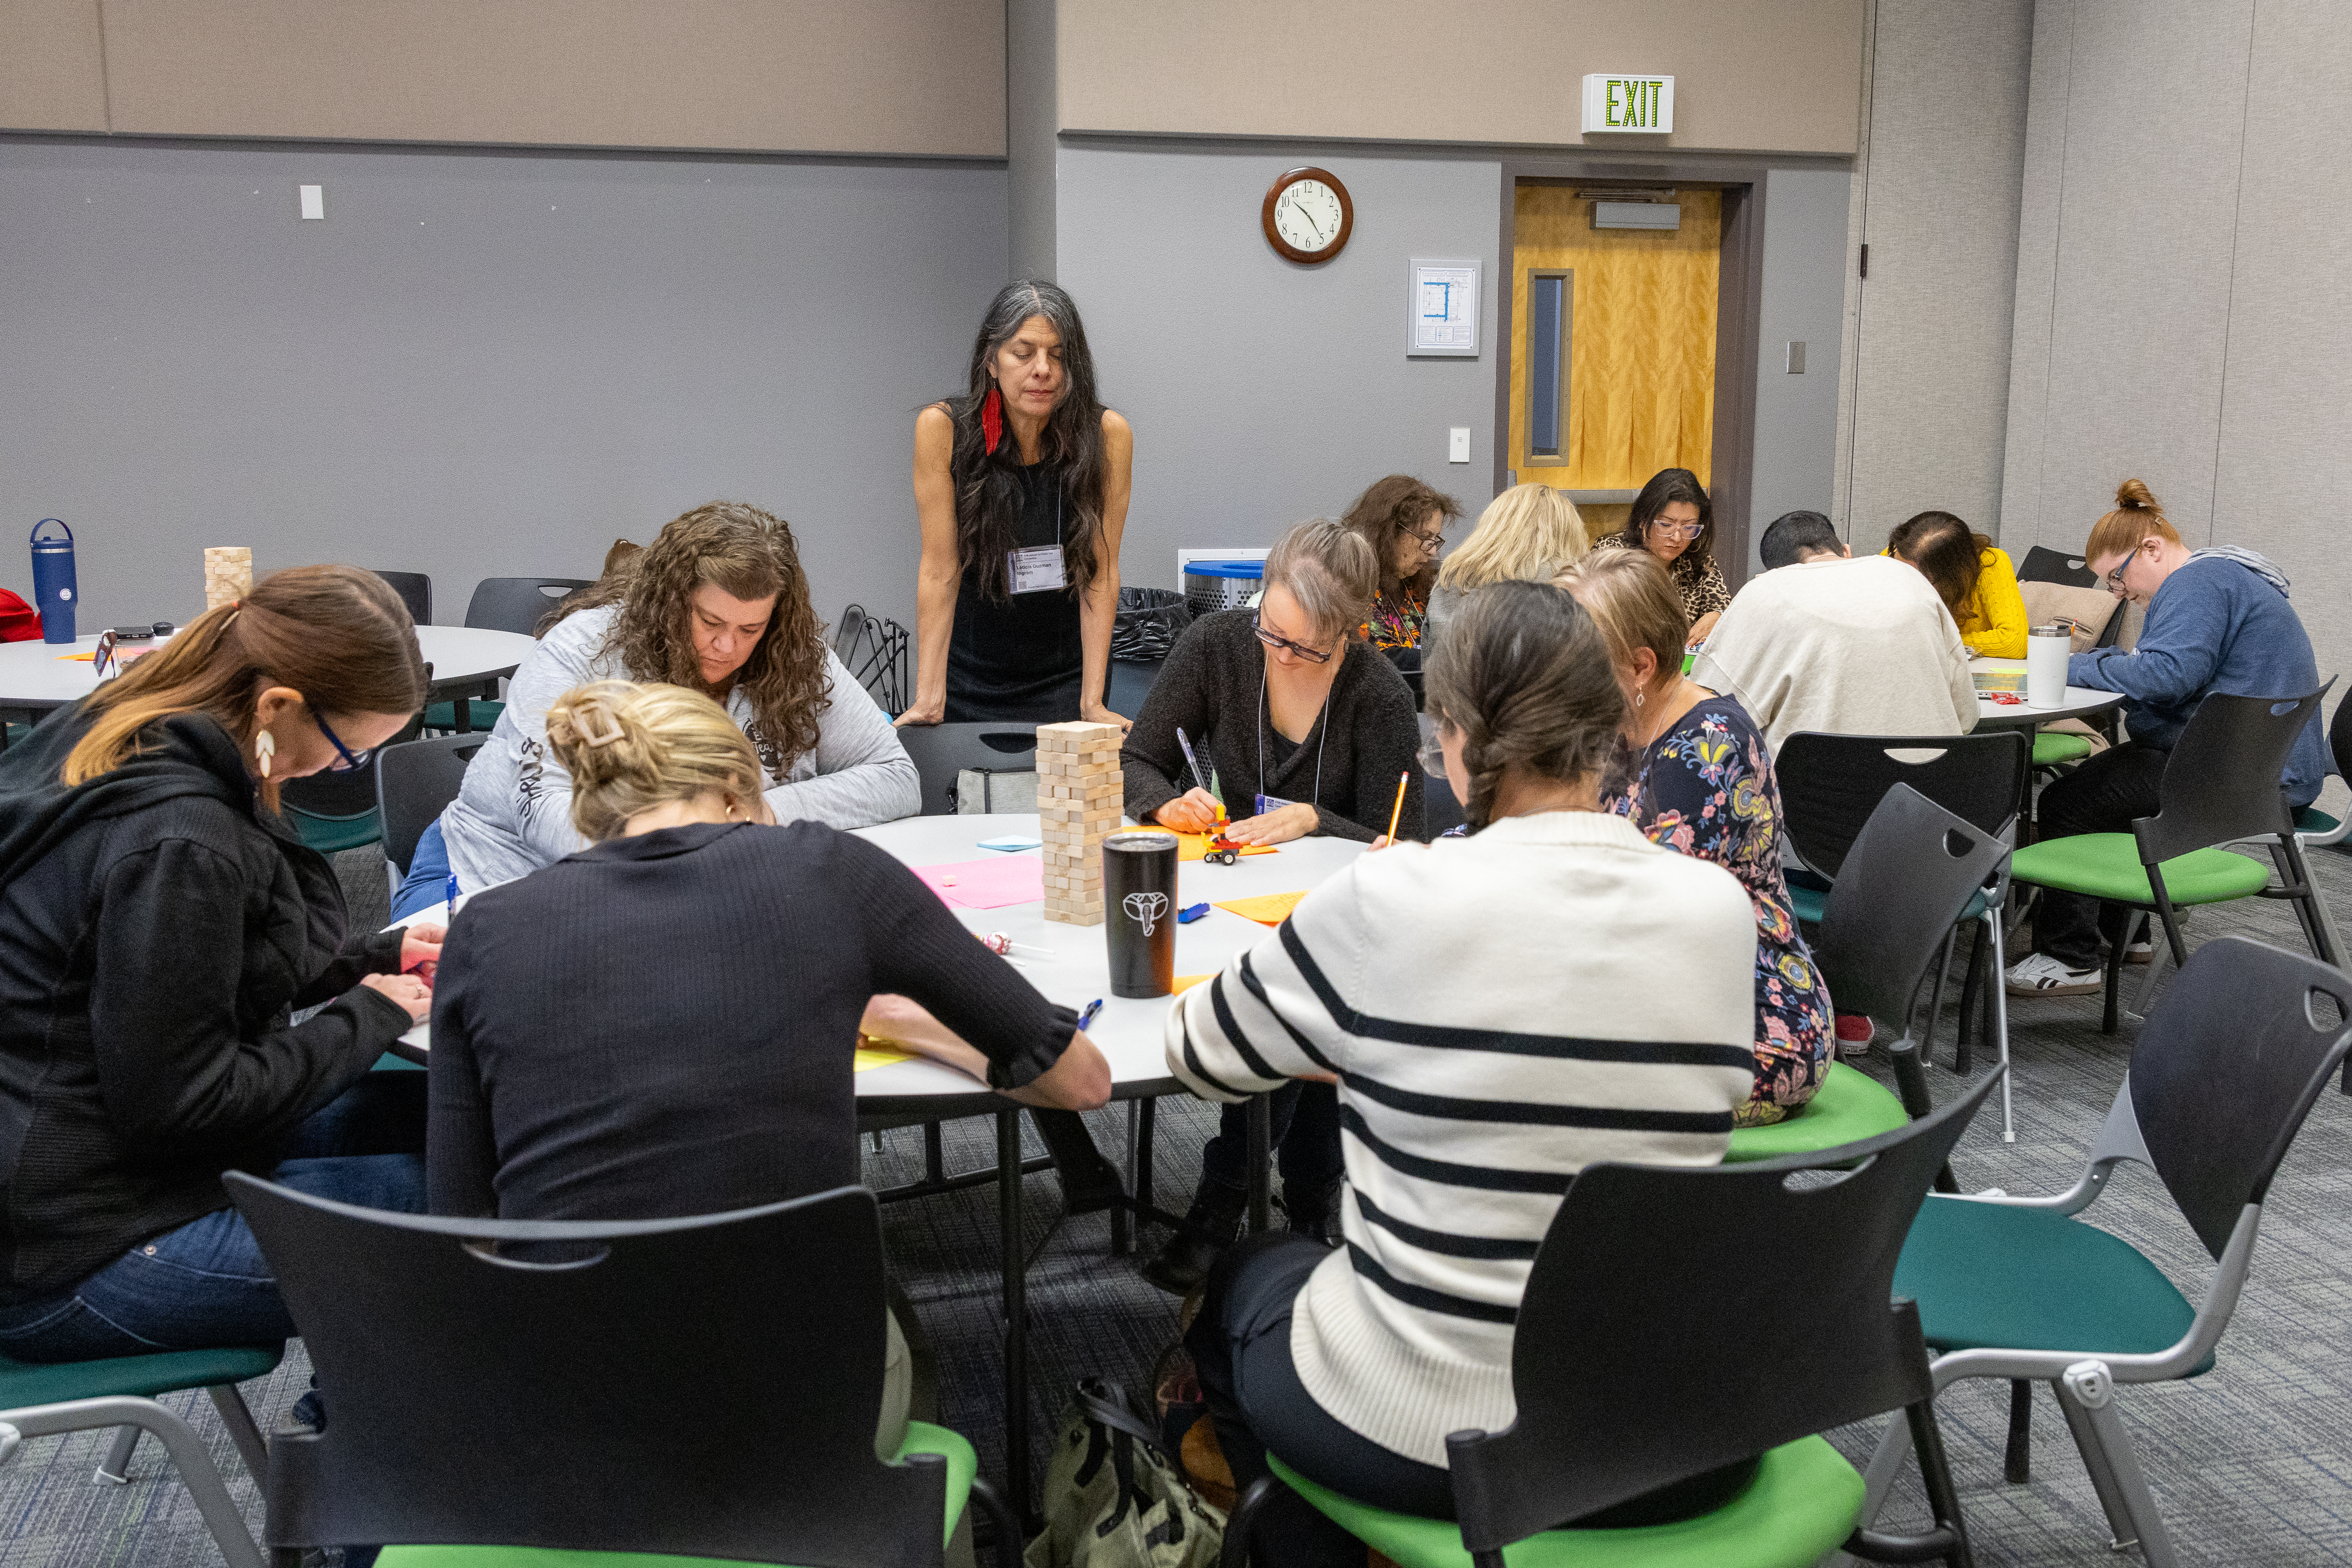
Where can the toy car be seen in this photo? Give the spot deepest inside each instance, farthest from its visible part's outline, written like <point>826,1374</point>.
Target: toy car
<point>1221,850</point>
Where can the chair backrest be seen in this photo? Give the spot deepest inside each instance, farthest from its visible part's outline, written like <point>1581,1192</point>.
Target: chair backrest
<point>415,591</point>
<point>412,782</point>
<point>1636,1361</point>
<point>2226,1068</point>
<point>941,752</point>
<point>652,1390</point>
<point>874,650</point>
<point>1830,784</point>
<point>332,795</point>
<point>2339,738</point>
<point>1903,887</point>
<point>2043,564</point>
<point>2222,782</point>
<point>517,603</point>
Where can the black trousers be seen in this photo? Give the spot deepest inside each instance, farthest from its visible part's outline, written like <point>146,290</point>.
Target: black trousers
<point>1303,1130</point>
<point>2102,795</point>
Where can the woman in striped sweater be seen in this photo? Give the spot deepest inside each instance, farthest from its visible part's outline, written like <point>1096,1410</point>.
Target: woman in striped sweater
<point>1499,1012</point>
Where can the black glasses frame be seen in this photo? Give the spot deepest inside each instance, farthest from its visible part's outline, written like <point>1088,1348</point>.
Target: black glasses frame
<point>1312,656</point>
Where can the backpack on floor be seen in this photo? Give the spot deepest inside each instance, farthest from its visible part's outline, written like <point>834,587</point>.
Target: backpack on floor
<point>1115,1498</point>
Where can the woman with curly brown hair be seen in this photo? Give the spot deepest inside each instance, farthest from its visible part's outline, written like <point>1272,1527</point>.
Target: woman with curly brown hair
<point>1021,485</point>
<point>1404,523</point>
<point>718,604</point>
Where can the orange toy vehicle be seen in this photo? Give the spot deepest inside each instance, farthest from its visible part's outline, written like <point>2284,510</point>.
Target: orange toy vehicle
<point>1221,850</point>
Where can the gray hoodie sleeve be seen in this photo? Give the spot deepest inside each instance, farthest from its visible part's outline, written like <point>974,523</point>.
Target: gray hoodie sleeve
<point>859,775</point>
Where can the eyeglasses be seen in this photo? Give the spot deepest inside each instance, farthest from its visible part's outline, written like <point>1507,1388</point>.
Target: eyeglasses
<point>1429,542</point>
<point>1679,530</point>
<point>1432,753</point>
<point>1311,654</point>
<point>346,760</point>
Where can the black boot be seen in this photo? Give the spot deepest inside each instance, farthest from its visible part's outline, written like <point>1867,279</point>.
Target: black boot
<point>1089,1182</point>
<point>1315,1214</point>
<point>1210,1227</point>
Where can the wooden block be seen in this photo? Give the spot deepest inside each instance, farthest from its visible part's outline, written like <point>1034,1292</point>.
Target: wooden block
<point>1078,737</point>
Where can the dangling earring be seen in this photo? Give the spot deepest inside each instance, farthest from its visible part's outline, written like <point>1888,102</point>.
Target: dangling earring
<point>732,807</point>
<point>991,418</point>
<point>264,746</point>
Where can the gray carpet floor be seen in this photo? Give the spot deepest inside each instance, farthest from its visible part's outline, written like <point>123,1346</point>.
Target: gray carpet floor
<point>2252,1464</point>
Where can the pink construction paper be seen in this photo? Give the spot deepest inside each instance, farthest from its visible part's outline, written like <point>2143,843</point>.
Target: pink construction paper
<point>988,884</point>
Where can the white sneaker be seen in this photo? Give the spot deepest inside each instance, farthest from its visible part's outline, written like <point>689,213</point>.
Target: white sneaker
<point>2140,953</point>
<point>2042,975</point>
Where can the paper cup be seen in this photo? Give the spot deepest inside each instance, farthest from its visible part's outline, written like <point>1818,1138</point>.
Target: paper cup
<point>2047,648</point>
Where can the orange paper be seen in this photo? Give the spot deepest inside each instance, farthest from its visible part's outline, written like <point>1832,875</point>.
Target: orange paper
<point>1186,981</point>
<point>1266,908</point>
<point>1194,845</point>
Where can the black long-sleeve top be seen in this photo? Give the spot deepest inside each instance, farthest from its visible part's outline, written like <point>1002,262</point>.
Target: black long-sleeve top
<point>664,1025</point>
<point>1214,688</point>
<point>156,930</point>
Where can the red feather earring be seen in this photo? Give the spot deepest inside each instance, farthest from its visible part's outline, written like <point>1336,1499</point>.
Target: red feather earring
<point>991,419</point>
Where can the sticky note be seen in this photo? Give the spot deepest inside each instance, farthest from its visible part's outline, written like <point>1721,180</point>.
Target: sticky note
<point>1184,983</point>
<point>879,1055</point>
<point>1012,843</point>
<point>987,884</point>
<point>1266,908</point>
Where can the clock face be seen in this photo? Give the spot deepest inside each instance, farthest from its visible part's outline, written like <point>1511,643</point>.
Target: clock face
<point>1308,215</point>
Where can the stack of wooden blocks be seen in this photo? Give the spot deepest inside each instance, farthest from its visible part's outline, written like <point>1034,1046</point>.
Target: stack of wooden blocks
<point>1079,794</point>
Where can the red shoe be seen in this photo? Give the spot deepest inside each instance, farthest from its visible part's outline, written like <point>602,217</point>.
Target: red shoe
<point>1855,1031</point>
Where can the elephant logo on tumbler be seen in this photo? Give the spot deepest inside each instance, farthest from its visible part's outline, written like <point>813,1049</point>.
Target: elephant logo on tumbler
<point>1145,910</point>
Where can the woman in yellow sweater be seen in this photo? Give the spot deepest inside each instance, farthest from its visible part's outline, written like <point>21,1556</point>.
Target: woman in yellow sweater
<point>1973,577</point>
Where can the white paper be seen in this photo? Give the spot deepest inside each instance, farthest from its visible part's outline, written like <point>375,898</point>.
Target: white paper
<point>1444,308</point>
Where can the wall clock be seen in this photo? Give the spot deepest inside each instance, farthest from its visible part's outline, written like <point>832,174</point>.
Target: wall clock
<point>1308,215</point>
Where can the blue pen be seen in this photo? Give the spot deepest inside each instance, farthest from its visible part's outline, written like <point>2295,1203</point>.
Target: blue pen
<point>1186,917</point>
<point>452,900</point>
<point>1087,1016</point>
<point>1197,776</point>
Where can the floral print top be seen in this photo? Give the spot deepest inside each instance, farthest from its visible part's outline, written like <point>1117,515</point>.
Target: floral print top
<point>1396,621</point>
<point>1707,788</point>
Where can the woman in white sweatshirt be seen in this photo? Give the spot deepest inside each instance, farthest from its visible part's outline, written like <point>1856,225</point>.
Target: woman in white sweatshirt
<point>1499,1012</point>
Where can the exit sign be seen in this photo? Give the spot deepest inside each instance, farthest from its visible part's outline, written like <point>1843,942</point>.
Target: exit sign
<point>1628,104</point>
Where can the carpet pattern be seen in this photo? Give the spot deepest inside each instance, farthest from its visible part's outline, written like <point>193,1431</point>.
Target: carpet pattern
<point>2251,1464</point>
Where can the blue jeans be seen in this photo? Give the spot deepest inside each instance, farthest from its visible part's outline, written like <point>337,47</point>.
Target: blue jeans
<point>427,882</point>
<point>208,1284</point>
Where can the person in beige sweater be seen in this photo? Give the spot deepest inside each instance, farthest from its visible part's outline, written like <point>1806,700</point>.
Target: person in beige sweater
<point>1846,648</point>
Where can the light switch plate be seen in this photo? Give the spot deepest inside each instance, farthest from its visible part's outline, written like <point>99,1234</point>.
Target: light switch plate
<point>314,201</point>
<point>1796,356</point>
<point>1457,445</point>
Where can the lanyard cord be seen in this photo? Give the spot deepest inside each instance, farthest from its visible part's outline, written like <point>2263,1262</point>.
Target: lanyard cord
<point>1323,722</point>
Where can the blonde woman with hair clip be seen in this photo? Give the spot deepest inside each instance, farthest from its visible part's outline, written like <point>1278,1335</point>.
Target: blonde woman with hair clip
<point>1527,535</point>
<point>163,925</point>
<point>1700,782</point>
<point>665,1023</point>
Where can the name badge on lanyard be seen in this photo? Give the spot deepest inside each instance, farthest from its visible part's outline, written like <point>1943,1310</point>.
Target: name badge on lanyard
<point>1035,569</point>
<point>1271,803</point>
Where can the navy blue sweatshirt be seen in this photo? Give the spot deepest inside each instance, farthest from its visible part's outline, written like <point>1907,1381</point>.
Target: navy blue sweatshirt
<point>2214,625</point>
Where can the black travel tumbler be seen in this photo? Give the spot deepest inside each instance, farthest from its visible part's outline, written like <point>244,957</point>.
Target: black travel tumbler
<point>1139,912</point>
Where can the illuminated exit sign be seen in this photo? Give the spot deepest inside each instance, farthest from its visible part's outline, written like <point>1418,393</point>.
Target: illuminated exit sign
<point>1628,104</point>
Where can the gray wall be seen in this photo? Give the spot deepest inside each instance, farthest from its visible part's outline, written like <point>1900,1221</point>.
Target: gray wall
<point>477,366</point>
<point>1804,301</point>
<point>2182,280</point>
<point>1032,110</point>
<point>1263,391</point>
<point>1937,198</point>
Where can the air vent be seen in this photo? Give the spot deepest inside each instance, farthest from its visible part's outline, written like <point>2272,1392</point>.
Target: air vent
<point>1637,214</point>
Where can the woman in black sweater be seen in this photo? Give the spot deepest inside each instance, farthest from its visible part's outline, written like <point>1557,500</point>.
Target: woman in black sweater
<point>666,1023</point>
<point>1309,729</point>
<point>158,923</point>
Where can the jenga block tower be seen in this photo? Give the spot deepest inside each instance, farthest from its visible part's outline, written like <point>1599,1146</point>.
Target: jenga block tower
<point>1079,793</point>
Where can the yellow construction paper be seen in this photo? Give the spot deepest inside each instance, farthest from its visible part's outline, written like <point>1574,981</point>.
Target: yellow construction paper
<point>1195,846</point>
<point>880,1055</point>
<point>1266,908</point>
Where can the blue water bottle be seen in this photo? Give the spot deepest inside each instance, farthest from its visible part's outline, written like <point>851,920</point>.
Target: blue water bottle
<point>53,582</point>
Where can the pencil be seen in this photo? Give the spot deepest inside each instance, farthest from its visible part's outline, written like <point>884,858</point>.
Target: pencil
<point>1397,813</point>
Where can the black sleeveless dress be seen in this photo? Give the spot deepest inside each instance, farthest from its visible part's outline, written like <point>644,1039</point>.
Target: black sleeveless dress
<point>1018,660</point>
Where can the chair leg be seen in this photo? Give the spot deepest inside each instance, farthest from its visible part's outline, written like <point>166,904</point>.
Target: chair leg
<point>241,1429</point>
<point>114,1470</point>
<point>1007,1529</point>
<point>1997,1010</point>
<point>2016,1459</point>
<point>1236,1552</point>
<point>1971,994</point>
<point>1122,1219</point>
<point>2115,987</point>
<point>2086,1394</point>
<point>185,1450</point>
<point>1936,998</point>
<point>1911,1088</point>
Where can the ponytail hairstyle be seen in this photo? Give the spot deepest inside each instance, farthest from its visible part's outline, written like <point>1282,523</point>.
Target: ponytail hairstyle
<point>338,635</point>
<point>989,494</point>
<point>1329,569</point>
<point>632,748</point>
<point>2136,520</point>
<point>1945,550</point>
<point>1523,674</point>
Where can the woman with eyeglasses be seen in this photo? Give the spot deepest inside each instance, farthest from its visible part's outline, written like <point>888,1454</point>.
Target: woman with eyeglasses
<point>1404,523</point>
<point>1674,521</point>
<point>1304,729</point>
<point>160,926</point>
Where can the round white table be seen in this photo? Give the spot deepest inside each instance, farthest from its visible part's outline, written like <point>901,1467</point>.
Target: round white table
<point>36,676</point>
<point>2081,700</point>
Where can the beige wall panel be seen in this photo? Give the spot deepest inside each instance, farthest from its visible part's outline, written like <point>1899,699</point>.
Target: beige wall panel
<point>52,65</point>
<point>2286,404</point>
<point>2154,126</point>
<point>1947,156</point>
<point>884,76</point>
<point>2043,181</point>
<point>1769,75</point>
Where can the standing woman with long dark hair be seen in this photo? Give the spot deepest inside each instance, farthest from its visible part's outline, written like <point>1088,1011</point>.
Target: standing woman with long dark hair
<point>1021,485</point>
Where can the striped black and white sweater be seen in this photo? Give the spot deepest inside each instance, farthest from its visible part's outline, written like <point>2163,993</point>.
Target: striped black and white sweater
<point>1501,1010</point>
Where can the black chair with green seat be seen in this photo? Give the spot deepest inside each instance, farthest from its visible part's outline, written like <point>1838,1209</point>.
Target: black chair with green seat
<point>119,1392</point>
<point>2221,1078</point>
<point>2315,828</point>
<point>1902,884</point>
<point>415,591</point>
<point>500,604</point>
<point>2055,749</point>
<point>499,1391</point>
<point>1633,1367</point>
<point>413,783</point>
<point>2220,784</point>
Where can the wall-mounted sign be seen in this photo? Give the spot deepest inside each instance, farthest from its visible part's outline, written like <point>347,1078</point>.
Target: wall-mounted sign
<point>1643,103</point>
<point>1441,308</point>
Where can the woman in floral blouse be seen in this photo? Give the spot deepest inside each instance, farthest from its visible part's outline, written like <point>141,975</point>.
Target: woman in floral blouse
<point>1673,522</point>
<point>1404,521</point>
<point>1701,783</point>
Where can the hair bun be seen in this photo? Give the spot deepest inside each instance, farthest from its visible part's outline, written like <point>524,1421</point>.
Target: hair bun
<point>2133,496</point>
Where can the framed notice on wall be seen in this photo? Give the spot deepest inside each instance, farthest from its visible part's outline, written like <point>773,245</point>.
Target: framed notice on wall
<point>1441,310</point>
